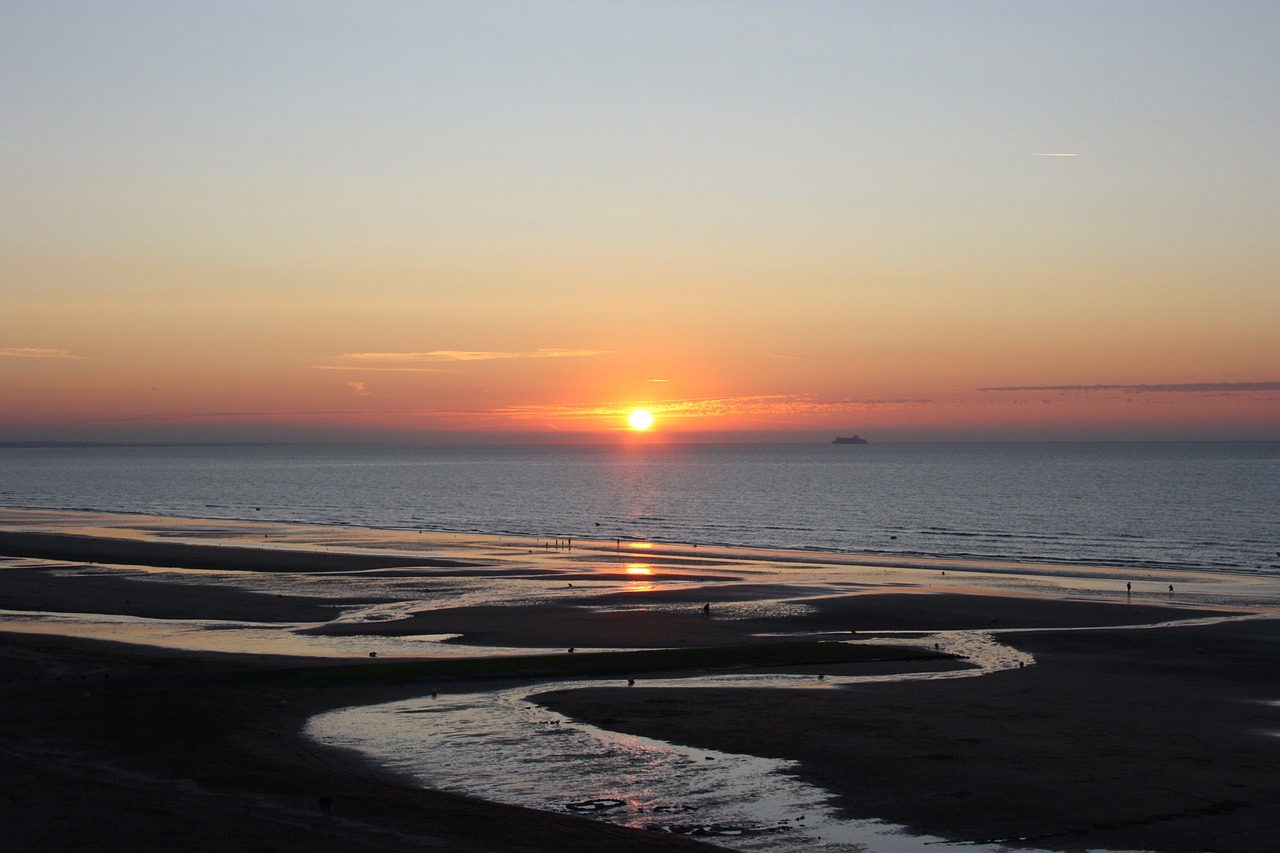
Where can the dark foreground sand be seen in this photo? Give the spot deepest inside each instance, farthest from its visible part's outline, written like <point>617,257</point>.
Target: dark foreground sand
<point>177,752</point>
<point>1116,739</point>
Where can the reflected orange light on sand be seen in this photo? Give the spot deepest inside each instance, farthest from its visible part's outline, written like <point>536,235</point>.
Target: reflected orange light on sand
<point>639,569</point>
<point>641,545</point>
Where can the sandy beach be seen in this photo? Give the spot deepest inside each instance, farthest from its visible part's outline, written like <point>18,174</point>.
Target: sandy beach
<point>1115,738</point>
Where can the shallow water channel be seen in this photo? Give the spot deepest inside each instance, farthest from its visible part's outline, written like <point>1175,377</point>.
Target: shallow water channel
<point>499,746</point>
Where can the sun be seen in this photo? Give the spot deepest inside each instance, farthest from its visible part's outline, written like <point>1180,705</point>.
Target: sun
<point>640,419</point>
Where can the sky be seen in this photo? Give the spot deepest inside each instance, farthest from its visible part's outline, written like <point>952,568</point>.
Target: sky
<point>520,221</point>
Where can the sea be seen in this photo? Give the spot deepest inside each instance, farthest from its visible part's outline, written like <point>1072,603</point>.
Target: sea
<point>1195,505</point>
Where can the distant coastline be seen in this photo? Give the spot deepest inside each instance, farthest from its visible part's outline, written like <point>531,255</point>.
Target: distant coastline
<point>57,445</point>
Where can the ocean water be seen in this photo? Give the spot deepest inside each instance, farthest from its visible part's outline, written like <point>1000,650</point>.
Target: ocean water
<point>1210,505</point>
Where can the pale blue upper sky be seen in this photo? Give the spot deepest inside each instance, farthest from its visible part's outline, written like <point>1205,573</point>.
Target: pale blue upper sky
<point>657,116</point>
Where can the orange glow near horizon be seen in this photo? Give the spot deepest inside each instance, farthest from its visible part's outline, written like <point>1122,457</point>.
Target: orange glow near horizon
<point>374,405</point>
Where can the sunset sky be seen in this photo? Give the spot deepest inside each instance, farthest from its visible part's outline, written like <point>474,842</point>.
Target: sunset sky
<point>487,220</point>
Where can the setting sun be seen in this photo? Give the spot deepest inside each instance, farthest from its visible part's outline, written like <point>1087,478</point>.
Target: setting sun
<point>640,419</point>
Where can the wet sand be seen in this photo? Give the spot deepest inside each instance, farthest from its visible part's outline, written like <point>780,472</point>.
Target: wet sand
<point>114,748</point>
<point>1145,740</point>
<point>1158,739</point>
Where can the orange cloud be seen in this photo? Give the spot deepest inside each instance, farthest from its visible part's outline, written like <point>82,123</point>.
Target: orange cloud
<point>466,355</point>
<point>37,352</point>
<point>758,406</point>
<point>363,367</point>
<point>1174,388</point>
<point>402,362</point>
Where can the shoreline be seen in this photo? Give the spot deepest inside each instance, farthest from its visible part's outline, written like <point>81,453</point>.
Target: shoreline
<point>655,547</point>
<point>1063,751</point>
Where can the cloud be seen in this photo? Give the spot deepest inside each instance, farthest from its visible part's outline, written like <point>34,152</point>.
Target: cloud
<point>1053,154</point>
<point>466,355</point>
<point>37,352</point>
<point>365,368</point>
<point>771,406</point>
<point>359,389</point>
<point>162,417</point>
<point>404,362</point>
<point>1174,388</point>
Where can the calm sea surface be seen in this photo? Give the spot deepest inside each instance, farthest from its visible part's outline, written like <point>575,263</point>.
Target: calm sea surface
<point>1199,505</point>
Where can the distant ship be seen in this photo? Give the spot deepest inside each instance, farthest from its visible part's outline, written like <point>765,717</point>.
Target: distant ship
<point>850,439</point>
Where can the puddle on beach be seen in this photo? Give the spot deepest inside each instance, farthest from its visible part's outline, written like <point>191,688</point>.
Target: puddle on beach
<point>258,638</point>
<point>208,635</point>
